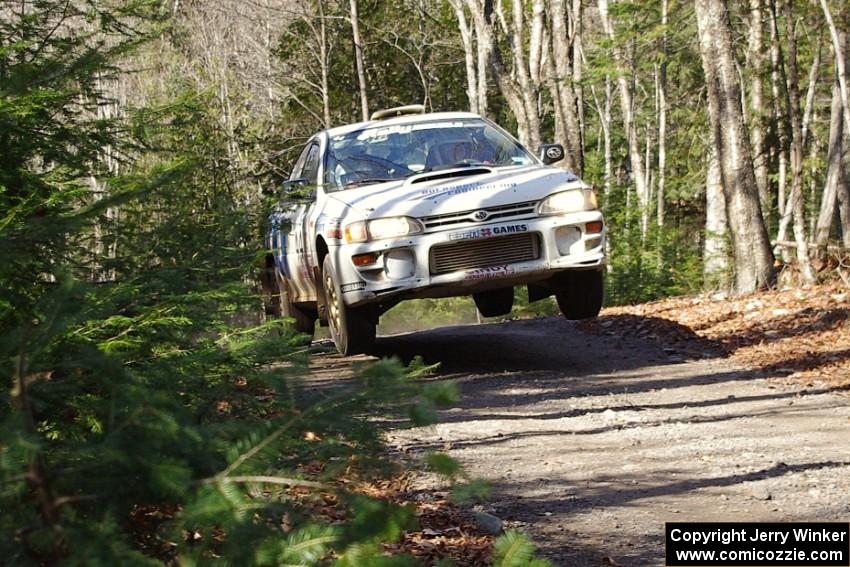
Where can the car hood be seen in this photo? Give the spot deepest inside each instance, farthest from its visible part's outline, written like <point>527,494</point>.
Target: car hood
<point>434,194</point>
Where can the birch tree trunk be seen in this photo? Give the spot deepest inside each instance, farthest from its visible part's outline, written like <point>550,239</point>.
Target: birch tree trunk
<point>567,123</point>
<point>481,12</point>
<point>662,118</point>
<point>577,20</point>
<point>750,243</point>
<point>792,91</point>
<point>323,64</point>
<point>469,55</point>
<point>836,193</point>
<point>515,83</point>
<point>844,194</point>
<point>839,43</point>
<point>755,58</point>
<point>624,73</point>
<point>609,161</point>
<point>834,170</point>
<point>776,82</point>
<point>358,57</point>
<point>715,250</point>
<point>604,113</point>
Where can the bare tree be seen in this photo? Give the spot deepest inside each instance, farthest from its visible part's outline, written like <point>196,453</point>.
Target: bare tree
<point>750,243</point>
<point>781,125</point>
<point>568,129</point>
<point>481,13</point>
<point>756,66</point>
<point>715,258</point>
<point>840,62</point>
<point>624,74</point>
<point>517,83</point>
<point>661,90</point>
<point>792,100</point>
<point>358,57</point>
<point>468,41</point>
<point>324,65</point>
<point>604,112</point>
<point>835,174</point>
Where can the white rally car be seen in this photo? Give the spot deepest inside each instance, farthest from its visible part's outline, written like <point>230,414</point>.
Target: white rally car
<point>412,205</point>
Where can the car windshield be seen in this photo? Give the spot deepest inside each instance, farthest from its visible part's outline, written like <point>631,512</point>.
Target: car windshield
<point>384,153</point>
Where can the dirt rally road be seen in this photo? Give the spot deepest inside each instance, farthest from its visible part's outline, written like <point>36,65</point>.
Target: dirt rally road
<point>593,442</point>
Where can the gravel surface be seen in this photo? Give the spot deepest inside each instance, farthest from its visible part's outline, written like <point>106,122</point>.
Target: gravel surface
<point>593,442</point>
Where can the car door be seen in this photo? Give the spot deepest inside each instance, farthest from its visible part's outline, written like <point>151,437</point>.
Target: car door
<point>289,227</point>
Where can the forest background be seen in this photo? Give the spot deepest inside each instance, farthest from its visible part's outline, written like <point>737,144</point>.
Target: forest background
<point>137,137</point>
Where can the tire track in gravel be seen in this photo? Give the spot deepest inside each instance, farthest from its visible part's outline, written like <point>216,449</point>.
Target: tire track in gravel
<point>593,442</point>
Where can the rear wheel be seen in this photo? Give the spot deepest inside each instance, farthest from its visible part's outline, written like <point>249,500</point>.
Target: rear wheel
<point>352,328</point>
<point>495,302</point>
<point>580,294</point>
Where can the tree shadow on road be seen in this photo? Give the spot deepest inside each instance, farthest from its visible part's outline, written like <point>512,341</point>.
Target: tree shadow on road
<point>519,364</point>
<point>581,499</point>
<point>530,374</point>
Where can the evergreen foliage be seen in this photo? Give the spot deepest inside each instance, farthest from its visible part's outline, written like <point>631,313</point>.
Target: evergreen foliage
<point>514,549</point>
<point>139,379</point>
<point>137,375</point>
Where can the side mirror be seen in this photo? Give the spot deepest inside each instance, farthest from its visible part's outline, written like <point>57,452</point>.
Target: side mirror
<point>294,184</point>
<point>550,153</point>
<point>298,191</point>
<point>285,187</point>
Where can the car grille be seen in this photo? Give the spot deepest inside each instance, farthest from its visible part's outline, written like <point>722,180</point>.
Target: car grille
<point>502,212</point>
<point>484,253</point>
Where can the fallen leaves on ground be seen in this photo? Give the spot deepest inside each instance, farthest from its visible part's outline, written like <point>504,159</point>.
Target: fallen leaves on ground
<point>803,332</point>
<point>444,529</point>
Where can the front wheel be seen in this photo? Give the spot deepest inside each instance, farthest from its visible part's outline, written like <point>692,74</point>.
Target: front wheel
<point>353,329</point>
<point>580,294</point>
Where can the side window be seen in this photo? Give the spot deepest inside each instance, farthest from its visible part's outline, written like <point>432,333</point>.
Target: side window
<point>299,165</point>
<point>311,165</point>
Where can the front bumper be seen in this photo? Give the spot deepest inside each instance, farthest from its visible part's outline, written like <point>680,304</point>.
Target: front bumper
<point>403,267</point>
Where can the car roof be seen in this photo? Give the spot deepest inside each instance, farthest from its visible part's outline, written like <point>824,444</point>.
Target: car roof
<point>404,119</point>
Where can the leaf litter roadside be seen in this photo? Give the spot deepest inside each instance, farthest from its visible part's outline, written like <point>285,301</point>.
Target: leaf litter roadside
<point>802,333</point>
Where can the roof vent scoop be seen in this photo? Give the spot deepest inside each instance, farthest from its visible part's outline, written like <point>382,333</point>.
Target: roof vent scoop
<point>398,111</point>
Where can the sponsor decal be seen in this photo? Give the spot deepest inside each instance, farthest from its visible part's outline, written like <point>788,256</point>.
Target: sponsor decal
<point>357,286</point>
<point>490,272</point>
<point>488,232</point>
<point>461,189</point>
<point>385,131</point>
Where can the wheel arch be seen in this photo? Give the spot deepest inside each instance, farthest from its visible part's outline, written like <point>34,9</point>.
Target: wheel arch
<point>321,251</point>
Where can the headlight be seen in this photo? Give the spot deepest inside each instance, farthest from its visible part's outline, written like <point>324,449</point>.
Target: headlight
<point>572,201</point>
<point>390,227</point>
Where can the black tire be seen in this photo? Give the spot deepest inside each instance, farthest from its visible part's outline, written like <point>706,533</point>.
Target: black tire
<point>580,294</point>
<point>277,303</point>
<point>494,303</point>
<point>352,328</point>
